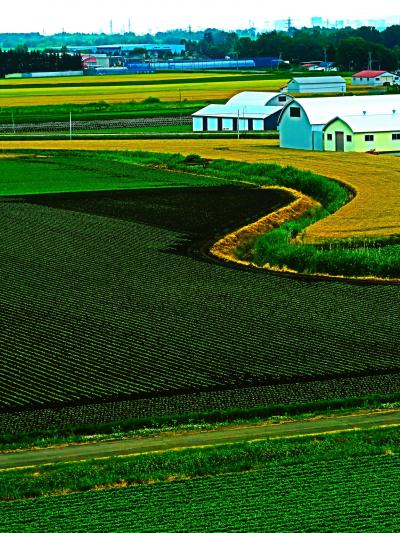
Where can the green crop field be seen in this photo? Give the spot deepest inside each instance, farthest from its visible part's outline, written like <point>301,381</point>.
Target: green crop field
<point>354,494</point>
<point>111,296</point>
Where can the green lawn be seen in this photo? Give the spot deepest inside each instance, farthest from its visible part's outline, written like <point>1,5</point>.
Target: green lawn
<point>76,172</point>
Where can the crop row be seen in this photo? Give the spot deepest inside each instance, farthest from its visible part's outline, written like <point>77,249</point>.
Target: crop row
<point>340,495</point>
<point>92,307</point>
<point>179,404</point>
<point>95,124</point>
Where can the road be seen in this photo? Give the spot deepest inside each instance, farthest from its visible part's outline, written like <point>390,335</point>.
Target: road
<point>174,441</point>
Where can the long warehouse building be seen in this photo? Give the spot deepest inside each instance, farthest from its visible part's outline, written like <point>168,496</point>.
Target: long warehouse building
<point>246,111</point>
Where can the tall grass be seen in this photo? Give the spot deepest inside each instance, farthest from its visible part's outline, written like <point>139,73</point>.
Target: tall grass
<point>145,468</point>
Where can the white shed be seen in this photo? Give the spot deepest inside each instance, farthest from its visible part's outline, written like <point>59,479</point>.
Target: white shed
<point>233,117</point>
<point>317,84</point>
<point>302,121</point>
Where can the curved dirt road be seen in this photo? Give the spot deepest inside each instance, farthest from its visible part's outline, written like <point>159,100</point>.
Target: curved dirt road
<point>172,441</point>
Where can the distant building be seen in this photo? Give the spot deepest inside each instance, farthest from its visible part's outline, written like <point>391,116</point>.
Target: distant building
<point>323,84</point>
<point>95,60</point>
<point>374,78</point>
<point>316,21</point>
<point>125,49</point>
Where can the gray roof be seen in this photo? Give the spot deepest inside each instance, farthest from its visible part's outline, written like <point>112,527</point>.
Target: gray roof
<point>319,79</point>
<point>254,98</point>
<point>371,123</point>
<point>234,111</point>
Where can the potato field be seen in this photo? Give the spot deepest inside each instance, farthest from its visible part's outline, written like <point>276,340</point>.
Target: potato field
<point>109,297</point>
<point>341,495</point>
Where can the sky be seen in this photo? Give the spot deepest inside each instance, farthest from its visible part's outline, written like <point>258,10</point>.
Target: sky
<point>91,16</point>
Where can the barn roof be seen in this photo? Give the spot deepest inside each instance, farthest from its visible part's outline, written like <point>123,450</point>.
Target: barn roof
<point>370,73</point>
<point>234,111</point>
<point>254,98</point>
<point>318,79</point>
<point>322,110</point>
<point>371,123</point>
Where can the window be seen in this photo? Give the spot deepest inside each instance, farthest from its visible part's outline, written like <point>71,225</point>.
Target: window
<point>377,79</point>
<point>329,136</point>
<point>295,112</point>
<point>282,99</point>
<point>395,136</point>
<point>349,138</point>
<point>369,137</point>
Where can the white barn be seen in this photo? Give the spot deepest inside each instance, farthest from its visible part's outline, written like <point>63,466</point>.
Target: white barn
<point>246,111</point>
<point>232,118</point>
<point>374,78</point>
<point>317,84</point>
<point>302,121</point>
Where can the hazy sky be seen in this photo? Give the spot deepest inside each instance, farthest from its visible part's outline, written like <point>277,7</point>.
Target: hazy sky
<point>158,15</point>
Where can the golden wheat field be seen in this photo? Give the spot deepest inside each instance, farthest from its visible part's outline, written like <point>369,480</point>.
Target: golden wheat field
<point>112,78</point>
<point>374,212</point>
<point>167,92</point>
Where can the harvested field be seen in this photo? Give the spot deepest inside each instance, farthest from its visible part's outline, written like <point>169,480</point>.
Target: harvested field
<point>373,214</point>
<point>125,93</point>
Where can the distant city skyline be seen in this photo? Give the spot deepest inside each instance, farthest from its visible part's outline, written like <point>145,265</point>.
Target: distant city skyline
<point>45,16</point>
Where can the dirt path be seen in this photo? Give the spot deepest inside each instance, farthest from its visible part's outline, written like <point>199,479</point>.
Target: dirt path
<point>196,439</point>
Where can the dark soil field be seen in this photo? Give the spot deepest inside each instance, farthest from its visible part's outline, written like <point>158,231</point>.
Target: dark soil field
<point>109,300</point>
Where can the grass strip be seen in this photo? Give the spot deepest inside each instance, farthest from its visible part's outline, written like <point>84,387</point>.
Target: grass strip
<point>33,482</point>
<point>119,428</point>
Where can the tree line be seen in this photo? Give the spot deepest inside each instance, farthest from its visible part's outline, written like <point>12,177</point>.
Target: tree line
<point>23,60</point>
<point>350,48</point>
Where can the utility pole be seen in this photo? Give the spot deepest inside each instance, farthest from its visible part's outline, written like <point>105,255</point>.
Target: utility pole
<point>369,60</point>
<point>238,121</point>
<point>70,125</point>
<point>180,106</point>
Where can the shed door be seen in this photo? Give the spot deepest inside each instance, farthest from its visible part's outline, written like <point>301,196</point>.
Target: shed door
<point>339,138</point>
<point>219,123</point>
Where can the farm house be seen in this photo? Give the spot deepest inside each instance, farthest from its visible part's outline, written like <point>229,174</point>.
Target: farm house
<point>303,120</point>
<point>374,77</point>
<point>363,133</point>
<point>317,84</point>
<point>232,118</point>
<point>246,111</point>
